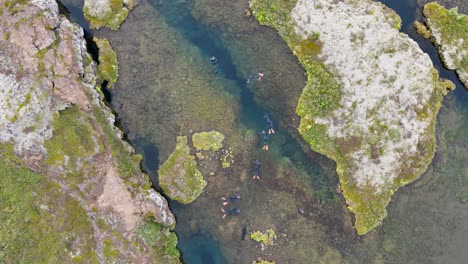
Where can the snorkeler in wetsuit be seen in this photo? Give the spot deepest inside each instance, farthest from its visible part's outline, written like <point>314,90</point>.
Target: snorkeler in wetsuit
<point>231,198</point>
<point>214,62</point>
<point>265,139</point>
<point>269,123</point>
<point>254,77</point>
<point>232,211</point>
<point>256,174</point>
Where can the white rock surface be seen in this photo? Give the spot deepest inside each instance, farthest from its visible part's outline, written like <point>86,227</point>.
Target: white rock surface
<point>385,80</point>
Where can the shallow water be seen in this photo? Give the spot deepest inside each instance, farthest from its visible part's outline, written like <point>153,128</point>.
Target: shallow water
<point>163,50</point>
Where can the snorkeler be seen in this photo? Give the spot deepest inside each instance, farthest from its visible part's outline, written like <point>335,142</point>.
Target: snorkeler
<point>254,77</point>
<point>269,123</point>
<point>265,139</point>
<point>230,198</point>
<point>256,174</point>
<point>232,211</point>
<point>213,60</point>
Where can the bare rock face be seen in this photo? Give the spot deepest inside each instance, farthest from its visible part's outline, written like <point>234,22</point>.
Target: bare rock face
<point>50,69</point>
<point>52,116</point>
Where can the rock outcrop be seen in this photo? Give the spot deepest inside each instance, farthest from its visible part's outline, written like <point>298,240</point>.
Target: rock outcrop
<point>450,33</point>
<point>107,13</point>
<point>371,99</point>
<point>179,177</point>
<point>52,119</point>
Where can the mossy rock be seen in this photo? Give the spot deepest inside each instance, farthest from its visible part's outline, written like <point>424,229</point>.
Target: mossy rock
<point>266,237</point>
<point>450,32</point>
<point>208,140</point>
<point>106,13</point>
<point>179,177</point>
<point>422,30</point>
<point>108,67</point>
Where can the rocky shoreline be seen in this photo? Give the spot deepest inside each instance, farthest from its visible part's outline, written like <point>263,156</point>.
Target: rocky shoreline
<point>366,105</point>
<point>54,121</point>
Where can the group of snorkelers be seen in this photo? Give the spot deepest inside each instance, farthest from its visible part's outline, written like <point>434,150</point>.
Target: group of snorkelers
<point>265,134</point>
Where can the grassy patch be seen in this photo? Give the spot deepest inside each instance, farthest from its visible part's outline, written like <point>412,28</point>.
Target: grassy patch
<point>38,223</point>
<point>72,137</point>
<point>158,237</point>
<point>108,67</point>
<point>179,177</point>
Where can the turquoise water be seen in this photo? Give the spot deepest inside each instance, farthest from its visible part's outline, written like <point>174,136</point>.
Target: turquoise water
<point>164,47</point>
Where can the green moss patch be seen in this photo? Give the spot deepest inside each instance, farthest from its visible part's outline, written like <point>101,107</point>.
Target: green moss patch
<point>452,29</point>
<point>208,140</point>
<point>108,67</point>
<point>38,223</point>
<point>266,237</point>
<point>179,177</point>
<point>422,30</point>
<point>72,137</point>
<point>106,13</point>
<point>161,238</point>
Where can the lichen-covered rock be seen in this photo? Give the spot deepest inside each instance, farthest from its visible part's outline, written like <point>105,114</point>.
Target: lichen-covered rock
<point>108,67</point>
<point>208,140</point>
<point>450,34</point>
<point>107,13</point>
<point>179,177</point>
<point>371,99</point>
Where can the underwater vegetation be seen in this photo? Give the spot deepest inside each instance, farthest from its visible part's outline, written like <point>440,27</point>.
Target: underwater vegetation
<point>266,237</point>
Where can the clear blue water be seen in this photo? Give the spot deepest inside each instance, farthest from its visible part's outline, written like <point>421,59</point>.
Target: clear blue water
<point>421,219</point>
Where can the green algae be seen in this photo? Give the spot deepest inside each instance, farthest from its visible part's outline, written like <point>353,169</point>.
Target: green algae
<point>266,237</point>
<point>112,13</point>
<point>452,31</point>
<point>208,140</point>
<point>108,68</point>
<point>178,175</point>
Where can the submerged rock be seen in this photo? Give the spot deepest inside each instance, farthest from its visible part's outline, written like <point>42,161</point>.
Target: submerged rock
<point>450,34</point>
<point>107,13</point>
<point>208,140</point>
<point>371,99</point>
<point>179,177</point>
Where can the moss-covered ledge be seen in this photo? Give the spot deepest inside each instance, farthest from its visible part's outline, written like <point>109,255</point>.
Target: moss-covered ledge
<point>371,98</point>
<point>450,33</point>
<point>179,177</point>
<point>108,68</point>
<point>106,13</point>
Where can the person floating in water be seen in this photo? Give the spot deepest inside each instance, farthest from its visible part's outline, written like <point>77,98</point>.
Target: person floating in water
<point>256,174</point>
<point>254,77</point>
<point>265,136</point>
<point>231,198</point>
<point>214,62</point>
<point>269,123</point>
<point>232,211</point>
